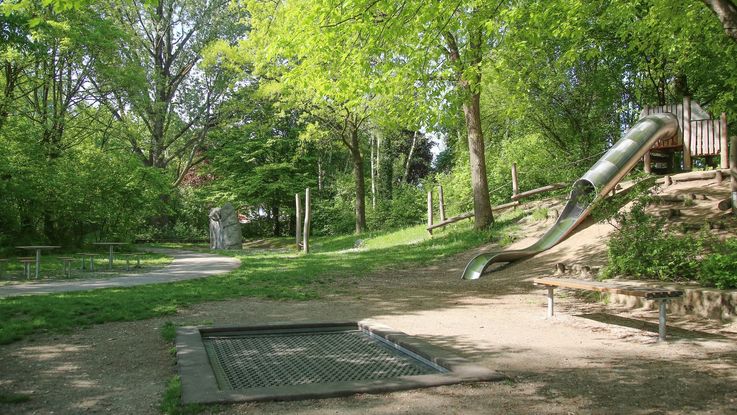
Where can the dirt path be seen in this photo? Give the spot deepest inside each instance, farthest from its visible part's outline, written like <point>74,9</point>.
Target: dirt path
<point>186,265</point>
<point>591,358</point>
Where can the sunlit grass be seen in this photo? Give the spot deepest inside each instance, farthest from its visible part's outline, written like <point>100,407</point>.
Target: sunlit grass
<point>277,274</point>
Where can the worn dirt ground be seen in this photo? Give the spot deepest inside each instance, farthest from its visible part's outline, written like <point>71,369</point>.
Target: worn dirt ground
<point>591,358</point>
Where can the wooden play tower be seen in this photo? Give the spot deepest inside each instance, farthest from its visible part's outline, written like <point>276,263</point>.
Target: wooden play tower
<point>698,136</point>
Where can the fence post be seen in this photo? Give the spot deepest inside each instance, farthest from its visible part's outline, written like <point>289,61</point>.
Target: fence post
<point>515,183</point>
<point>724,150</point>
<point>298,233</point>
<point>441,202</point>
<point>308,214</point>
<point>429,211</point>
<point>687,133</point>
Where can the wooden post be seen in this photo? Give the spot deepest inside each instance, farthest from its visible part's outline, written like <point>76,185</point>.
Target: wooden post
<point>298,232</point>
<point>733,172</point>
<point>668,181</point>
<point>661,318</point>
<point>687,133</point>
<point>515,183</point>
<point>724,152</point>
<point>306,232</point>
<point>718,177</point>
<point>429,211</point>
<point>441,202</point>
<point>646,163</point>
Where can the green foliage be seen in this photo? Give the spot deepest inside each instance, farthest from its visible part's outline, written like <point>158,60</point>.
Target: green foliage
<point>719,269</point>
<point>642,248</point>
<point>406,207</point>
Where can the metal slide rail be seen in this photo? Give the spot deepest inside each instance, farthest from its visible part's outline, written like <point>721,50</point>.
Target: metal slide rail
<point>595,184</point>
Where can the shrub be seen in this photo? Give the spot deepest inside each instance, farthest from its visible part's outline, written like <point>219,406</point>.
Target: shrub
<point>719,269</point>
<point>643,249</point>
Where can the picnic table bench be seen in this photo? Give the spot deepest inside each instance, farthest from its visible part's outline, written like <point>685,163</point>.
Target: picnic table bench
<point>658,294</point>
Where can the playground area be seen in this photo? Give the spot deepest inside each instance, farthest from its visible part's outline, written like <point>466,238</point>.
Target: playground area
<point>592,357</point>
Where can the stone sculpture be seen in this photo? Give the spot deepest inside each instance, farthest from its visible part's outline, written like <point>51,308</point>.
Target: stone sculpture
<point>225,230</point>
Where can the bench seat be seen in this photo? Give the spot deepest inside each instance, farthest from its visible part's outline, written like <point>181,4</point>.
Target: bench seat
<point>658,294</point>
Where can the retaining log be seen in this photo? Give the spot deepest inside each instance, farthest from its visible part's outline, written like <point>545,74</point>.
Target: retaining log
<point>539,190</point>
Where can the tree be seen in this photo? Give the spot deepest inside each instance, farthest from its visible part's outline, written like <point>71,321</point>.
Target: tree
<point>726,12</point>
<point>157,80</point>
<point>340,89</point>
<point>435,46</point>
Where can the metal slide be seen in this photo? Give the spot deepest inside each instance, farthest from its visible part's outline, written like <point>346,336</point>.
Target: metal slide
<point>595,184</point>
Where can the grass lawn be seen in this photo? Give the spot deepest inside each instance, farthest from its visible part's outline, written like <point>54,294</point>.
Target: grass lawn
<point>278,274</point>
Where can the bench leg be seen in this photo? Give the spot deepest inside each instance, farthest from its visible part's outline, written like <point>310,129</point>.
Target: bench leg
<point>92,264</point>
<point>662,319</point>
<point>81,268</point>
<point>127,264</point>
<point>551,302</point>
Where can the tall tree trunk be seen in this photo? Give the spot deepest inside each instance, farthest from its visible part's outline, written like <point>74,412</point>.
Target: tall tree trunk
<point>373,174</point>
<point>481,204</point>
<point>275,220</point>
<point>726,11</point>
<point>409,157</point>
<point>360,182</point>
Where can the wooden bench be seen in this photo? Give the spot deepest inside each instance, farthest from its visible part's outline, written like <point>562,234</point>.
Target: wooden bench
<point>656,294</point>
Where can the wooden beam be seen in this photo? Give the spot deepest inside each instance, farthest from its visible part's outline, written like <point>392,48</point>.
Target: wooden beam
<point>429,212</point>
<point>686,133</point>
<point>515,183</point>
<point>298,233</point>
<point>308,216</point>
<point>467,215</point>
<point>539,190</point>
<point>688,176</point>
<point>441,203</point>
<point>723,151</point>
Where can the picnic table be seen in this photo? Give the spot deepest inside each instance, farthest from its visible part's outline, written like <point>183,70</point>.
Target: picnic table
<point>38,249</point>
<point>111,245</point>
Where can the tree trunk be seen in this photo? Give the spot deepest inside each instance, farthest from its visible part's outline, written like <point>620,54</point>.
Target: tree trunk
<point>726,11</point>
<point>360,182</point>
<point>481,205</point>
<point>275,220</point>
<point>373,174</point>
<point>470,82</point>
<point>409,157</point>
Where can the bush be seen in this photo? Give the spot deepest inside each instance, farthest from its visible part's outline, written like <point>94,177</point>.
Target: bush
<point>407,207</point>
<point>643,249</point>
<point>719,269</point>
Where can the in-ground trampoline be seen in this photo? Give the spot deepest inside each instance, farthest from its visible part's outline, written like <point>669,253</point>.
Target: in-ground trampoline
<point>302,361</point>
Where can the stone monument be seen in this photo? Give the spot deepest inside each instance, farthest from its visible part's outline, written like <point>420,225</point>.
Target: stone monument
<point>225,230</point>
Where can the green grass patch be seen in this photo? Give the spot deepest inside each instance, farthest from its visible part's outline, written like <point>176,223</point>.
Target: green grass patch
<point>171,401</point>
<point>273,275</point>
<point>11,398</point>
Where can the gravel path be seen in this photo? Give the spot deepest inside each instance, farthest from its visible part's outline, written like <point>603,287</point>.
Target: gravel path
<point>185,266</point>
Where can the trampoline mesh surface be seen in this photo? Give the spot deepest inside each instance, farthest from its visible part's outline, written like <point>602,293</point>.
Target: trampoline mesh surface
<point>248,361</point>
